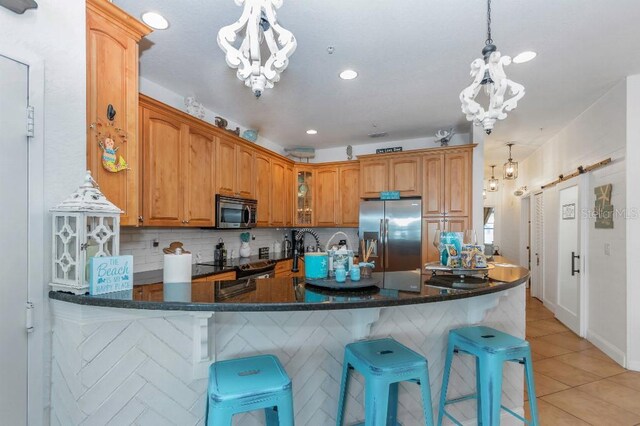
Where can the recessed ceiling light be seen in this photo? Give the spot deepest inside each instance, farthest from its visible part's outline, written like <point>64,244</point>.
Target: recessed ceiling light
<point>312,132</point>
<point>348,74</point>
<point>524,57</point>
<point>155,20</point>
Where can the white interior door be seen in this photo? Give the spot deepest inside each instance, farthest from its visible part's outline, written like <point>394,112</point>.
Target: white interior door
<point>568,308</point>
<point>14,238</point>
<point>537,245</point>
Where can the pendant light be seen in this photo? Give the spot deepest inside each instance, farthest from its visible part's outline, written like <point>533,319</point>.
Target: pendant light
<point>493,182</point>
<point>488,74</point>
<point>510,167</point>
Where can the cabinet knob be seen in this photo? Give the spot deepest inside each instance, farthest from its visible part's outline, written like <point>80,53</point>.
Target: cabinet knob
<point>140,219</point>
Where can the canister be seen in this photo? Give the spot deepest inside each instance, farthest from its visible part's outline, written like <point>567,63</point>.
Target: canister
<point>316,265</point>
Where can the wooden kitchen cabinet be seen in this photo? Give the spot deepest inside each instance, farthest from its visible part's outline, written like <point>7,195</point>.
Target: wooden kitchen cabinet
<point>178,169</point>
<point>203,289</point>
<point>289,195</point>
<point>304,200</point>
<point>235,169</point>
<point>263,188</point>
<point>404,176</point>
<point>349,187</point>
<point>326,196</point>
<point>433,184</point>
<point>112,79</point>
<point>390,174</point>
<point>278,195</point>
<point>374,178</point>
<point>457,183</point>
<point>198,177</point>
<point>162,146</point>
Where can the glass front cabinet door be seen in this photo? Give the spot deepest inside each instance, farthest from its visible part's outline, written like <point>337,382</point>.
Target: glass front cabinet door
<point>304,196</point>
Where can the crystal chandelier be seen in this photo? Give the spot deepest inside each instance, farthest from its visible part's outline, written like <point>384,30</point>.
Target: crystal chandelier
<point>493,182</point>
<point>510,167</point>
<point>258,21</point>
<point>488,72</point>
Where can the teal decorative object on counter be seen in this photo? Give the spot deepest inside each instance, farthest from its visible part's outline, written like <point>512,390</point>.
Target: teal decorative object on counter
<point>316,265</point>
<point>245,248</point>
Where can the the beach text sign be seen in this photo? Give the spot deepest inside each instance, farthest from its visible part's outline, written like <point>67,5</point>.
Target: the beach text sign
<point>110,274</point>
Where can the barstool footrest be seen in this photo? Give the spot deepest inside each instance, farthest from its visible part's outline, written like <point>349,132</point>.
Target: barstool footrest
<point>460,399</point>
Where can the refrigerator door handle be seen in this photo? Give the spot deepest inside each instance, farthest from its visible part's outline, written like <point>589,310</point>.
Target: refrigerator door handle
<point>381,243</point>
<point>386,242</point>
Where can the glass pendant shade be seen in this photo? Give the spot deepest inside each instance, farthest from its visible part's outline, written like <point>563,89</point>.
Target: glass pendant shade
<point>493,182</point>
<point>510,168</point>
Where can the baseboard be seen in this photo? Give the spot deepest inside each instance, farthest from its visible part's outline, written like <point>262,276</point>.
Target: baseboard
<point>613,352</point>
<point>633,365</point>
<point>549,305</point>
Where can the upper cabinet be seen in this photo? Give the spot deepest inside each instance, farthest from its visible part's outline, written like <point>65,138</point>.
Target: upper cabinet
<point>178,165</point>
<point>447,183</point>
<point>278,195</point>
<point>327,196</point>
<point>112,80</point>
<point>235,169</point>
<point>303,189</point>
<point>349,182</point>
<point>390,174</point>
<point>263,189</point>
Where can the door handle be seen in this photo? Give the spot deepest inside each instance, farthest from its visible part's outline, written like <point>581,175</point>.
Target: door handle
<point>248,210</point>
<point>574,256</point>
<point>386,243</point>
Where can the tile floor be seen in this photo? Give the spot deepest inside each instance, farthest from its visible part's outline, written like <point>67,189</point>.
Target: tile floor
<point>576,383</point>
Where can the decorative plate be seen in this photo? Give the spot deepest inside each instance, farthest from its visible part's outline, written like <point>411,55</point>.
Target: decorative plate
<point>345,286</point>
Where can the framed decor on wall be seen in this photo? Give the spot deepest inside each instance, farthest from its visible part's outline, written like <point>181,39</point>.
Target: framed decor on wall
<point>569,211</point>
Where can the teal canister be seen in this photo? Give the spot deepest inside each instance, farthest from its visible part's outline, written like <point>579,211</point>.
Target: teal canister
<point>316,265</point>
<point>341,274</point>
<point>355,273</point>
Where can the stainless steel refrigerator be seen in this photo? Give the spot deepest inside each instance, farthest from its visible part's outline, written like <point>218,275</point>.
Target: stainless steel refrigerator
<point>394,229</point>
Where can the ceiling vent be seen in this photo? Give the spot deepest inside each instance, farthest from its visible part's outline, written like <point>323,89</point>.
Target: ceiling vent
<point>378,135</point>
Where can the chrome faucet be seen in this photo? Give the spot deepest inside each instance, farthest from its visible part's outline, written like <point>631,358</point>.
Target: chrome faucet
<point>299,236</point>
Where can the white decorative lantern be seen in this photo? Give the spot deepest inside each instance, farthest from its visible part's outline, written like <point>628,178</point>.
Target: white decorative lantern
<point>85,225</point>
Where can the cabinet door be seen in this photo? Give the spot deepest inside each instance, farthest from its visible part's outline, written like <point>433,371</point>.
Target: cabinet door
<point>373,178</point>
<point>326,196</point>
<point>263,188</point>
<point>289,195</point>
<point>303,196</point>
<point>457,183</point>
<point>161,163</point>
<point>226,167</point>
<point>404,176</point>
<point>432,185</point>
<point>349,183</point>
<point>112,79</point>
<point>457,224</point>
<point>245,176</point>
<point>429,227</point>
<point>198,177</point>
<point>278,193</point>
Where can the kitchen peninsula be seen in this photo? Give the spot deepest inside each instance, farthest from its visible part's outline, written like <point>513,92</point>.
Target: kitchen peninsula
<point>115,354</point>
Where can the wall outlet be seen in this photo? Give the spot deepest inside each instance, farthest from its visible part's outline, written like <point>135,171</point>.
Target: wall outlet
<point>607,249</point>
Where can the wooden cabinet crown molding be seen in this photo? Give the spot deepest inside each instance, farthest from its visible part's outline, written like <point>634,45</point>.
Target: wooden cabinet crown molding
<point>119,17</point>
<point>154,104</point>
<point>415,152</point>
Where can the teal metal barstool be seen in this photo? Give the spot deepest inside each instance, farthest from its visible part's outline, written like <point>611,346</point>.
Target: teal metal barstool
<point>491,348</point>
<point>246,384</point>
<point>384,363</point>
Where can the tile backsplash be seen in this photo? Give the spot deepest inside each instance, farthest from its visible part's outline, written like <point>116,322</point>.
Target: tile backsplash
<point>201,242</point>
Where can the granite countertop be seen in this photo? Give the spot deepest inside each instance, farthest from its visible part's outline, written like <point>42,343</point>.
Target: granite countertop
<point>294,294</point>
<point>199,271</point>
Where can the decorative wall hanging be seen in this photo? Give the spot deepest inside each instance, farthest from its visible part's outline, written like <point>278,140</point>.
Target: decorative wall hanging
<point>444,136</point>
<point>488,73</point>
<point>603,207</point>
<point>568,211</point>
<point>259,23</point>
<point>194,107</point>
<point>510,169</point>
<point>107,134</point>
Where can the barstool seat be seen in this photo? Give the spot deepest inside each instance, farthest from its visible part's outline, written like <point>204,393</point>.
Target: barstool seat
<point>491,348</point>
<point>246,384</point>
<point>384,363</point>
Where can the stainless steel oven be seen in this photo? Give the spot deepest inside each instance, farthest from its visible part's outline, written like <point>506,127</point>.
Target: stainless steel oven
<point>235,213</point>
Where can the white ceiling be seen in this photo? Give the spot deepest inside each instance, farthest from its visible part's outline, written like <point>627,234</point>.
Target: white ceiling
<point>413,57</point>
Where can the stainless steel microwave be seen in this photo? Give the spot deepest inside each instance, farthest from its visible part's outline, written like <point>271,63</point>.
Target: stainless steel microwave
<point>235,213</point>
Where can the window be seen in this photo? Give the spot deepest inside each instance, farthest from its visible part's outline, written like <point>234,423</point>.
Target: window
<point>489,221</point>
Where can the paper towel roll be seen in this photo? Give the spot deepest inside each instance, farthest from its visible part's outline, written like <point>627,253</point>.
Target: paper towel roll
<point>177,268</point>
